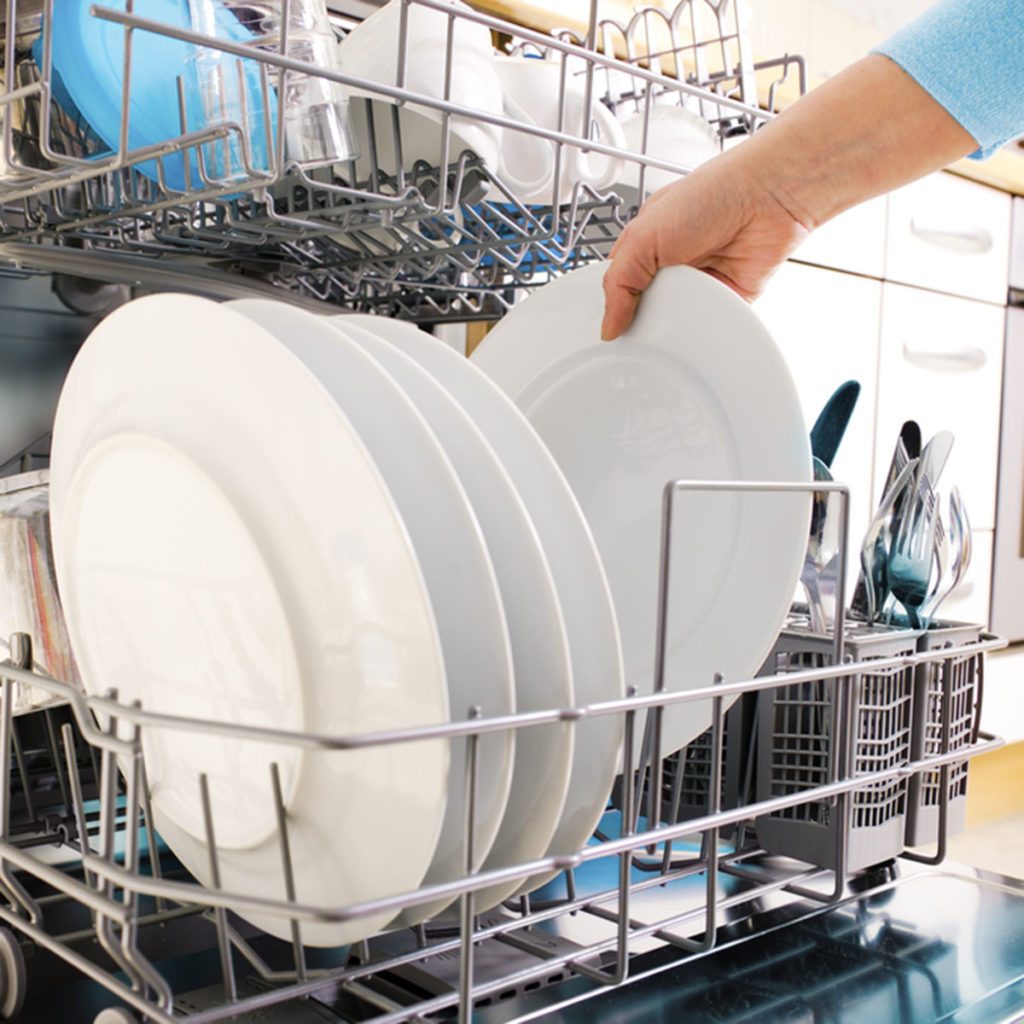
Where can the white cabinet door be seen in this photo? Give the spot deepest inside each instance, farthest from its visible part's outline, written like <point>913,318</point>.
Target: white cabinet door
<point>951,235</point>
<point>854,241</point>
<point>826,325</point>
<point>940,363</point>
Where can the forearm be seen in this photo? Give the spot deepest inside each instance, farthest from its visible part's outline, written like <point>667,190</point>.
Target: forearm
<point>870,129</point>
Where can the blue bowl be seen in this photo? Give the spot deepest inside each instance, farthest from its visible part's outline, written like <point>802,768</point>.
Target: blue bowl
<point>88,64</point>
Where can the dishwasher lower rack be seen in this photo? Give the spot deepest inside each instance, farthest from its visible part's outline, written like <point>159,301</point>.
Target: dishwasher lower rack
<point>639,884</point>
<point>422,240</point>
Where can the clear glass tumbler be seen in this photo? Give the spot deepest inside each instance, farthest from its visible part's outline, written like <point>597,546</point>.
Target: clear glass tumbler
<point>224,90</point>
<point>315,110</point>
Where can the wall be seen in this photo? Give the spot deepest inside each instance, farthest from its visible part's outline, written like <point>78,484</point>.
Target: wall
<point>829,34</point>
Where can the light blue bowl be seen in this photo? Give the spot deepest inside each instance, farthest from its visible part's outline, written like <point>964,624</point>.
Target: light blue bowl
<point>88,63</point>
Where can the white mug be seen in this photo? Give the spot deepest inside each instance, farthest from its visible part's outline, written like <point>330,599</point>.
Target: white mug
<point>533,85</point>
<point>675,135</point>
<point>371,52</point>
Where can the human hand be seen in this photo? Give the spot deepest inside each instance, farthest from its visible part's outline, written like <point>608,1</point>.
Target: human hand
<point>717,219</point>
<point>862,133</point>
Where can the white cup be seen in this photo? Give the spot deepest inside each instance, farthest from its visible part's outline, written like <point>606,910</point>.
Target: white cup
<point>533,85</point>
<point>675,135</point>
<point>371,52</point>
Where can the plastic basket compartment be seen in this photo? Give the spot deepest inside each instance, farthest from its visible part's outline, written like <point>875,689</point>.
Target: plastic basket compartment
<point>797,748</point>
<point>686,777</point>
<point>966,673</point>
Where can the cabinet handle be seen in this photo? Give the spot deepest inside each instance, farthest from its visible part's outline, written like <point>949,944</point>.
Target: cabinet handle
<point>952,358</point>
<point>971,238</point>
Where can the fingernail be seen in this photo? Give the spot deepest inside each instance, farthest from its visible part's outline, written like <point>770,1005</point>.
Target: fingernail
<point>606,331</point>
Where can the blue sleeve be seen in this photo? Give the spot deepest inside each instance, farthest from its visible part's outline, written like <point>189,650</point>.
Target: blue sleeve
<point>969,55</point>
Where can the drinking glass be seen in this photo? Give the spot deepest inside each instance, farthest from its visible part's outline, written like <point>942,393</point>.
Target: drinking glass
<point>315,110</point>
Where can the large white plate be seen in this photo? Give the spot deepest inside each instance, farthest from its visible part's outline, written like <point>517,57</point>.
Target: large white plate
<point>696,389</point>
<point>226,549</point>
<point>575,567</point>
<point>540,650</point>
<point>450,546</point>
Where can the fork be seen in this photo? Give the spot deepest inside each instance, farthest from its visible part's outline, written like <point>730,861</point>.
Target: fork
<point>914,552</point>
<point>874,554</point>
<point>955,567</point>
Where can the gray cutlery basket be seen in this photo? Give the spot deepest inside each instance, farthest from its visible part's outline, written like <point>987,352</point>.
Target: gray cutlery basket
<point>796,748</point>
<point>686,775</point>
<point>966,677</point>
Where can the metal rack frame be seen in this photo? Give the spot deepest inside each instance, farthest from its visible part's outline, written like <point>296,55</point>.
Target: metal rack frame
<point>125,892</point>
<point>419,243</point>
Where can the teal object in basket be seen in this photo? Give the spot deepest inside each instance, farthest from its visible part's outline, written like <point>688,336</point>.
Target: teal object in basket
<point>88,64</point>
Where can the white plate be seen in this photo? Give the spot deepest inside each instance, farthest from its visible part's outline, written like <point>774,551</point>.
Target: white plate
<point>226,549</point>
<point>540,650</point>
<point>448,541</point>
<point>696,389</point>
<point>575,567</point>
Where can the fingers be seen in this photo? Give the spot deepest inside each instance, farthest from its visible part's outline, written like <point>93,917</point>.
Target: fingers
<point>631,270</point>
<point>634,262</point>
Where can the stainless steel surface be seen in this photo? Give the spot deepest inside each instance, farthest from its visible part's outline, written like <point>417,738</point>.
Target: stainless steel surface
<point>419,243</point>
<point>638,886</point>
<point>919,948</point>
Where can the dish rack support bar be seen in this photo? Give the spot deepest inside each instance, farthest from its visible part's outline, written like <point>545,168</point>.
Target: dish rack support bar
<point>118,920</point>
<point>411,241</point>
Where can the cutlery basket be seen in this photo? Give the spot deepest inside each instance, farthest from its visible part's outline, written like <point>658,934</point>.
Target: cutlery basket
<point>686,774</point>
<point>800,746</point>
<point>961,676</point>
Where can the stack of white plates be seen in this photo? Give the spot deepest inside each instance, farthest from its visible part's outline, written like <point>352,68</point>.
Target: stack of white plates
<point>338,526</point>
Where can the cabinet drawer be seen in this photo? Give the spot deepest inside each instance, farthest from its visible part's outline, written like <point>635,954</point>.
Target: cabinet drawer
<point>853,241</point>
<point>940,363</point>
<point>951,235</point>
<point>970,601</point>
<point>826,325</point>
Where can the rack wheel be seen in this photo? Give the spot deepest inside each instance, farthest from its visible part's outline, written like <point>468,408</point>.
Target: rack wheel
<point>115,1015</point>
<point>13,981</point>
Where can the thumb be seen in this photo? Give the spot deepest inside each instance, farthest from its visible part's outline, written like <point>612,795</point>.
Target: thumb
<point>632,268</point>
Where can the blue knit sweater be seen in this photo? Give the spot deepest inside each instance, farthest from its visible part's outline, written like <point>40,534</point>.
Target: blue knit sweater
<point>969,55</point>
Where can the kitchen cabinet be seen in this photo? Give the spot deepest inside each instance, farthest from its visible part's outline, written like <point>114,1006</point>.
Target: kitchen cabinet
<point>854,241</point>
<point>940,363</point>
<point>906,294</point>
<point>826,325</point>
<point>950,235</point>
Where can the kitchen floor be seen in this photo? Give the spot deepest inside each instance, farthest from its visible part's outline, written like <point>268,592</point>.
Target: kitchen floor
<point>995,846</point>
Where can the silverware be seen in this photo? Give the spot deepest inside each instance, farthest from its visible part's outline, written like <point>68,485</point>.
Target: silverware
<point>914,564</point>
<point>934,457</point>
<point>919,555</point>
<point>822,551</point>
<point>874,555</point>
<point>869,596</point>
<point>832,421</point>
<point>958,543</point>
<point>821,560</point>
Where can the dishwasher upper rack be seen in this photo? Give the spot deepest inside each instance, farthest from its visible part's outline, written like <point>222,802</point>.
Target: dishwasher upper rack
<point>116,874</point>
<point>424,242</point>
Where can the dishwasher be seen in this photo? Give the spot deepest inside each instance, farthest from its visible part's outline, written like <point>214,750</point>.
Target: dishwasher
<point>785,865</point>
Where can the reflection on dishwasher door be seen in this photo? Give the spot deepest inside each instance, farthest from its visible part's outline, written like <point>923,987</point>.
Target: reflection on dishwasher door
<point>39,336</point>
